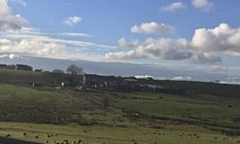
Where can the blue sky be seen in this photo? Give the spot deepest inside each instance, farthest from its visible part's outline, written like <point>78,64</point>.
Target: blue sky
<point>200,36</point>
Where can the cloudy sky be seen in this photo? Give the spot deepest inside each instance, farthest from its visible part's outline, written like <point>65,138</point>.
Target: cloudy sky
<point>165,39</point>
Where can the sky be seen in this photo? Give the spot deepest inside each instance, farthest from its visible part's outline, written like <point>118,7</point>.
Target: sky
<point>165,39</point>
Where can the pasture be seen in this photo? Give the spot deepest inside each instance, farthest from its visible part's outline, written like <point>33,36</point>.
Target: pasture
<point>111,135</point>
<point>113,117</point>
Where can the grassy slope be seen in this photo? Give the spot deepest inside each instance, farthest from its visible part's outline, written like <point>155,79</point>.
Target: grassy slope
<point>98,125</point>
<point>175,114</point>
<point>111,135</point>
<point>21,77</point>
<point>24,77</point>
<point>202,110</point>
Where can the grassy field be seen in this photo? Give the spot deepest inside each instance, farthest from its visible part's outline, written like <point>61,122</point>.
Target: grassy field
<point>112,117</point>
<point>21,77</point>
<point>112,135</point>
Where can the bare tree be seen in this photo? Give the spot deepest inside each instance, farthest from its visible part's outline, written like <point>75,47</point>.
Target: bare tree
<point>74,70</point>
<point>58,71</point>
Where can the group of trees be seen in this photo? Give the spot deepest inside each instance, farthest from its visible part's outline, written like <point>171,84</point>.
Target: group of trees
<point>72,69</point>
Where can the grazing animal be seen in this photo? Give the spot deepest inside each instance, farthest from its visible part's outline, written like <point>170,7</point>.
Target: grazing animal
<point>24,134</point>
<point>8,135</point>
<point>79,141</point>
<point>37,136</point>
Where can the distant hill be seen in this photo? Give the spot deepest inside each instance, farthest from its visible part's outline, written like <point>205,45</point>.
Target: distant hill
<point>22,77</point>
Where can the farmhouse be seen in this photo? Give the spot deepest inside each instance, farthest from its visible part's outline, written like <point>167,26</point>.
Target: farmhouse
<point>94,81</point>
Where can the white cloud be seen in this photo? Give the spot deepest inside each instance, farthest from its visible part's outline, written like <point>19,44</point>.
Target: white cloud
<point>123,44</point>
<point>173,6</point>
<point>31,42</point>
<point>205,58</point>
<point>206,46</point>
<point>30,34</point>
<point>3,56</point>
<point>9,21</point>
<point>143,76</point>
<point>12,56</point>
<point>152,28</point>
<point>4,42</point>
<point>222,39</point>
<point>76,34</point>
<point>71,21</point>
<point>20,2</point>
<point>155,49</point>
<point>202,4</point>
<point>181,78</point>
<point>215,68</point>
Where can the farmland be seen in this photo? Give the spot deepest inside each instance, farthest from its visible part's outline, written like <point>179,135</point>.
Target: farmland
<point>96,116</point>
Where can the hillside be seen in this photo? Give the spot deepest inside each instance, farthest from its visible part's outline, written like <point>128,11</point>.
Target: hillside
<point>21,77</point>
<point>204,110</point>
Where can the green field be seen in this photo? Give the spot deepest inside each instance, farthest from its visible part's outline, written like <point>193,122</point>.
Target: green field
<point>113,117</point>
<point>113,135</point>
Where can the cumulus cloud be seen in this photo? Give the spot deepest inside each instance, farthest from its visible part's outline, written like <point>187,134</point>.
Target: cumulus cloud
<point>204,58</point>
<point>174,6</point>
<point>200,50</point>
<point>202,4</point>
<point>206,46</point>
<point>222,39</point>
<point>152,28</point>
<point>9,21</point>
<point>4,42</point>
<point>124,44</point>
<point>155,49</point>
<point>71,21</point>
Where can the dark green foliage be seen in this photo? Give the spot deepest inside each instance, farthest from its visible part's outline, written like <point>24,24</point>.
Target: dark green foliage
<point>20,77</point>
<point>105,101</point>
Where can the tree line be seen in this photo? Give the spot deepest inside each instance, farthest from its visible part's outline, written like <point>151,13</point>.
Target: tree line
<point>71,69</point>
